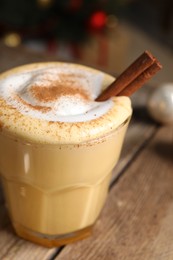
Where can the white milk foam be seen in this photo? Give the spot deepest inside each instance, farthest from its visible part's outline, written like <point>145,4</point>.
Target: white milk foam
<point>16,90</point>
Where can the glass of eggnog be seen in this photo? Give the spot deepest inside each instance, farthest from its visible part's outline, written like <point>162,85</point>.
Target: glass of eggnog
<point>58,147</point>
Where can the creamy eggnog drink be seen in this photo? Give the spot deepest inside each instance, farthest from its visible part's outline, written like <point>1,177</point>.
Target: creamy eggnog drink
<point>58,147</point>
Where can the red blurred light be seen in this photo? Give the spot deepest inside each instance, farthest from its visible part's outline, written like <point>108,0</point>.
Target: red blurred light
<point>98,19</point>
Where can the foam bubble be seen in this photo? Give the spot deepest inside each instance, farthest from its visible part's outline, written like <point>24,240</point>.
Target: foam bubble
<point>61,93</point>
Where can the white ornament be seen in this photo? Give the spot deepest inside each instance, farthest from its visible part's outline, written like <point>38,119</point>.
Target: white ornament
<point>160,104</point>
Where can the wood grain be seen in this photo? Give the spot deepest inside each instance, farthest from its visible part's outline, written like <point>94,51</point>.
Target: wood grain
<point>137,221</point>
<point>139,132</point>
<point>137,135</point>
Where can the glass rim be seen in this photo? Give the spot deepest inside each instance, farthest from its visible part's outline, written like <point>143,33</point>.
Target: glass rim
<point>21,140</point>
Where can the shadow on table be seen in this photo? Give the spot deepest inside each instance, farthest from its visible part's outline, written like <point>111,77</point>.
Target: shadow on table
<point>4,218</point>
<point>1,193</point>
<point>165,150</point>
<point>141,114</point>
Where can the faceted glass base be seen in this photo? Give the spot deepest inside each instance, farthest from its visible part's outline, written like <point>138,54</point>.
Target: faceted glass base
<point>52,241</point>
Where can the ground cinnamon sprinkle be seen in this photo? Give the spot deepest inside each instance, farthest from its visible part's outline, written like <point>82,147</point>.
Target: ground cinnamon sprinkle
<point>41,108</point>
<point>51,93</point>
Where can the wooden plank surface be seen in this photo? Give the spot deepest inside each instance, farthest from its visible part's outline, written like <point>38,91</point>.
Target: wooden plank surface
<point>137,221</point>
<point>12,247</point>
<point>11,57</point>
<point>12,250</point>
<point>9,242</point>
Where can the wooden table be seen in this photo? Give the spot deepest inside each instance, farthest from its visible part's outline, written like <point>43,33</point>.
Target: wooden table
<point>137,220</point>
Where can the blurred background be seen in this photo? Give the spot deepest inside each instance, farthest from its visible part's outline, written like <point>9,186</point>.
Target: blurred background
<point>107,34</point>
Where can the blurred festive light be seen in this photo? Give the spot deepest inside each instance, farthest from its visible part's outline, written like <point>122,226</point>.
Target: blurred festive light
<point>44,3</point>
<point>98,20</point>
<point>12,39</point>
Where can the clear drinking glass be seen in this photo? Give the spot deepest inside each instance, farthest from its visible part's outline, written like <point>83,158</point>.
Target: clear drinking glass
<point>54,193</point>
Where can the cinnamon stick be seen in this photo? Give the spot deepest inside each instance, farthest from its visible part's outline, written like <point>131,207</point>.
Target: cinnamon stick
<point>140,80</point>
<point>132,75</point>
